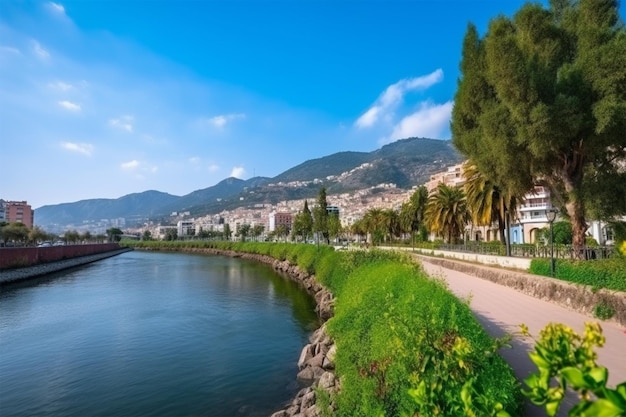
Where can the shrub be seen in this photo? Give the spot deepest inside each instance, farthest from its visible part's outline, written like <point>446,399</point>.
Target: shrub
<point>603,311</point>
<point>602,273</point>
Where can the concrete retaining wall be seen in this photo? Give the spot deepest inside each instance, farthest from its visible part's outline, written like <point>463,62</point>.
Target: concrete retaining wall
<point>19,274</point>
<point>503,261</point>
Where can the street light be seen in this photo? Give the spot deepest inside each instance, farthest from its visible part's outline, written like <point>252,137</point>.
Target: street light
<point>551,215</point>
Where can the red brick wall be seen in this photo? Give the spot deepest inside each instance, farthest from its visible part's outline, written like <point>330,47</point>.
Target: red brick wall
<point>20,257</point>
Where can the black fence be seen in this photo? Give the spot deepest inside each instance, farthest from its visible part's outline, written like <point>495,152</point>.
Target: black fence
<point>534,251</point>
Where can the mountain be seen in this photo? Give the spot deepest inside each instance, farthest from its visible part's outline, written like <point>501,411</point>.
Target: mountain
<point>145,204</point>
<point>406,163</point>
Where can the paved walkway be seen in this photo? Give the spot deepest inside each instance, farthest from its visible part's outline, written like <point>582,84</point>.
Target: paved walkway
<point>501,310</point>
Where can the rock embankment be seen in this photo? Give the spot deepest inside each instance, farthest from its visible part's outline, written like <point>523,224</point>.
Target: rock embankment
<point>316,366</point>
<point>317,359</point>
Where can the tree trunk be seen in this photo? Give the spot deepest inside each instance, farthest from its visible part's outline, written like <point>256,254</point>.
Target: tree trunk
<point>576,212</point>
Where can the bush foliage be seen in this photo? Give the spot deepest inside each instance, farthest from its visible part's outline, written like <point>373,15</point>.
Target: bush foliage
<point>602,273</point>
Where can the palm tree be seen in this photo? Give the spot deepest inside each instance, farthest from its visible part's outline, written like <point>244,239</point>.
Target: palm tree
<point>358,228</point>
<point>374,224</point>
<point>446,212</point>
<point>391,224</point>
<point>412,211</point>
<point>487,202</point>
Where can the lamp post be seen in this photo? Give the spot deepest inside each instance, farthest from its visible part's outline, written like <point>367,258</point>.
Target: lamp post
<point>507,222</point>
<point>551,215</point>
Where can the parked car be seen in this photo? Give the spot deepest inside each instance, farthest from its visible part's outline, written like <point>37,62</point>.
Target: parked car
<point>44,244</point>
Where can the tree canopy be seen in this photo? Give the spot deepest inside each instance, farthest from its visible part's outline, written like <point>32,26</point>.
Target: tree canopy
<point>320,218</point>
<point>303,223</point>
<point>542,100</point>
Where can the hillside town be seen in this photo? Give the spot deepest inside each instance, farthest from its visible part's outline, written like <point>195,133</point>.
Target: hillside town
<point>531,216</point>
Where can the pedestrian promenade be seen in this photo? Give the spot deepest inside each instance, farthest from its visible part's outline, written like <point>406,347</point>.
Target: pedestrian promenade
<point>501,310</point>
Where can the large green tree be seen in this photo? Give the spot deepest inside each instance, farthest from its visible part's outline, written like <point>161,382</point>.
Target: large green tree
<point>542,100</point>
<point>14,232</point>
<point>257,230</point>
<point>114,234</point>
<point>243,230</point>
<point>303,223</point>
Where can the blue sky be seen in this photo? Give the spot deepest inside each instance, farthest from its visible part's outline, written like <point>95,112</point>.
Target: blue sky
<point>99,99</point>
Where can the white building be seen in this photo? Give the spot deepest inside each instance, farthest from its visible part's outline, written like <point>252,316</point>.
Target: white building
<point>531,216</point>
<point>186,228</point>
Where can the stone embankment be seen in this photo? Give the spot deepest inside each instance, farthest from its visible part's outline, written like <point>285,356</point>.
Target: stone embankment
<point>316,363</point>
<point>19,274</point>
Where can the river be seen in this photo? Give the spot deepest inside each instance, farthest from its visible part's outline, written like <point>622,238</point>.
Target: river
<point>153,334</point>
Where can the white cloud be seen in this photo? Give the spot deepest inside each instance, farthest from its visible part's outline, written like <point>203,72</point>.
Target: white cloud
<point>40,51</point>
<point>195,160</point>
<point>68,105</point>
<point>221,120</point>
<point>214,168</point>
<point>238,172</point>
<point>61,86</point>
<point>123,122</point>
<point>369,117</point>
<point>139,170</point>
<point>56,7</point>
<point>84,148</point>
<point>430,121</point>
<point>393,97</point>
<point>10,49</point>
<point>130,165</point>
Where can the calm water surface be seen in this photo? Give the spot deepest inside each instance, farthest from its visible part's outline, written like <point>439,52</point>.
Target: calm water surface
<point>152,334</point>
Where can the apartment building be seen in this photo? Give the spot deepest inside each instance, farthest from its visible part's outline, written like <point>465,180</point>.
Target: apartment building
<point>452,177</point>
<point>186,228</point>
<point>17,212</point>
<point>277,219</point>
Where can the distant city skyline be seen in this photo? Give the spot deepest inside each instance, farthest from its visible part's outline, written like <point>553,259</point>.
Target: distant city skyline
<point>101,99</point>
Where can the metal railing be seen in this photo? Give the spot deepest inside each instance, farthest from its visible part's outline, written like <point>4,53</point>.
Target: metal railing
<point>533,251</point>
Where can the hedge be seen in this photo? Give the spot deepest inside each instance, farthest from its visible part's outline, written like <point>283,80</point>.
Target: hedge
<point>602,273</point>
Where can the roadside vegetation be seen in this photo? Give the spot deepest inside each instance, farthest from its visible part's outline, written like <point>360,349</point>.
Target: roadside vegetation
<point>605,273</point>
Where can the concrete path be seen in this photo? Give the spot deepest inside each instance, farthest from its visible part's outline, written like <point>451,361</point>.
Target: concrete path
<point>501,310</point>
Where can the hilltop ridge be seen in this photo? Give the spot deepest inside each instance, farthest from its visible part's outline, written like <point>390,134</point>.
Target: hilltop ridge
<point>405,163</point>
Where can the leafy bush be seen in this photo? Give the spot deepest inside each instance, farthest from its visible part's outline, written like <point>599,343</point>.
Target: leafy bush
<point>602,273</point>
<point>603,311</point>
<point>568,359</point>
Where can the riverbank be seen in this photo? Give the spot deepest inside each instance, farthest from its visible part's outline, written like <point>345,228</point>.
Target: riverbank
<point>384,360</point>
<point>19,274</point>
